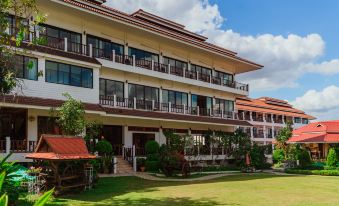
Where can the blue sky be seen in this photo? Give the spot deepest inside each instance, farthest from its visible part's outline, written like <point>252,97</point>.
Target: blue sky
<point>301,17</point>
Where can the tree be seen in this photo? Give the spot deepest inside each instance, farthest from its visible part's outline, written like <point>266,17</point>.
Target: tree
<point>284,135</point>
<point>22,10</point>
<point>71,116</point>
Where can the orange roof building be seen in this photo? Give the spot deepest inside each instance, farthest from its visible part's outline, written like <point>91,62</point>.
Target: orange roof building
<point>268,116</point>
<point>317,136</point>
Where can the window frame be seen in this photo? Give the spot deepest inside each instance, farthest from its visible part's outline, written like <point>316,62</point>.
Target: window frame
<point>115,82</point>
<point>144,51</point>
<point>144,91</point>
<point>70,75</point>
<point>175,96</point>
<point>24,66</point>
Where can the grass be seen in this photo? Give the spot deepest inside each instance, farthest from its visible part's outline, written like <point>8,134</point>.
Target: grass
<point>240,189</point>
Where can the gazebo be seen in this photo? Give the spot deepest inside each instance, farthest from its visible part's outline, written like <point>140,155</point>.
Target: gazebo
<point>317,137</point>
<point>65,161</point>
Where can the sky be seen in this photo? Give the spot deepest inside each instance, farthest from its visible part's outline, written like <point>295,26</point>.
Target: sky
<point>297,41</point>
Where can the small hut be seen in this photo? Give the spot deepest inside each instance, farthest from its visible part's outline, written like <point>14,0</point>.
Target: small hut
<point>65,161</point>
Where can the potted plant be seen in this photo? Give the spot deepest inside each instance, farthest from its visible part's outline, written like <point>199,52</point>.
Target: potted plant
<point>141,164</point>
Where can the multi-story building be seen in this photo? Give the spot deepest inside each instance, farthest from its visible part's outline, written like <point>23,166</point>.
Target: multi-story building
<point>268,116</point>
<point>138,74</point>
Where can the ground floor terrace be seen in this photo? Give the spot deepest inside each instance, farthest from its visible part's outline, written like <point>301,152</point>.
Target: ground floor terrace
<point>22,125</point>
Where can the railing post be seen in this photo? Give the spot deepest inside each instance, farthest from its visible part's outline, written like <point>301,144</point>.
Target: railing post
<point>210,78</point>
<point>8,145</point>
<point>169,68</point>
<point>65,44</point>
<point>37,34</point>
<point>233,115</point>
<point>222,113</point>
<point>115,165</point>
<point>90,50</point>
<point>198,111</point>
<point>153,104</point>
<point>152,65</point>
<point>113,55</point>
<point>135,103</point>
<point>114,100</point>
<point>31,36</point>
<point>133,150</point>
<point>123,152</point>
<point>169,106</point>
<point>197,75</point>
<point>133,60</point>
<point>134,164</point>
<point>184,108</point>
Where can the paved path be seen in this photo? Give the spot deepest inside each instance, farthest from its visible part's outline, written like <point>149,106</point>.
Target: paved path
<point>147,176</point>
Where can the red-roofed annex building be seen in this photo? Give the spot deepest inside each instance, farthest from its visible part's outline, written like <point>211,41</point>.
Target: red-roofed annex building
<point>317,137</point>
<point>268,116</point>
<point>138,74</point>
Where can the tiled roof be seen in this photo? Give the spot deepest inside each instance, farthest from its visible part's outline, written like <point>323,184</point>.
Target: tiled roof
<point>270,106</point>
<point>53,147</point>
<point>44,102</point>
<point>130,19</point>
<point>317,132</point>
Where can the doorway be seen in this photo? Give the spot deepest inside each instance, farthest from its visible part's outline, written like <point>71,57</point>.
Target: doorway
<point>113,134</point>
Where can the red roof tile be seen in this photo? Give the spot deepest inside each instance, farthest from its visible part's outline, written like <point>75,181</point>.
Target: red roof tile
<point>317,132</point>
<point>61,148</point>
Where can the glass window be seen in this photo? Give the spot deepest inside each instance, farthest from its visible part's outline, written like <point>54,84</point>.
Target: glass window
<point>226,78</point>
<point>69,74</point>
<point>194,101</point>
<point>141,54</point>
<point>165,96</point>
<point>64,74</point>
<point>143,92</point>
<point>201,70</point>
<point>76,76</point>
<point>111,88</point>
<point>175,63</point>
<point>51,72</point>
<point>226,105</point>
<point>26,67</point>
<point>104,45</point>
<point>177,98</point>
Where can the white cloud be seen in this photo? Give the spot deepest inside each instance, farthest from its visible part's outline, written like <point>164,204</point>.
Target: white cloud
<point>323,104</point>
<point>196,15</point>
<point>286,58</point>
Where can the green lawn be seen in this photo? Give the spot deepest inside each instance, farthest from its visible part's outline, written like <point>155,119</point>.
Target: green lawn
<point>241,189</point>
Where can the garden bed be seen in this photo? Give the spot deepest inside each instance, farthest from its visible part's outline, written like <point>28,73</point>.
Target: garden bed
<point>313,172</point>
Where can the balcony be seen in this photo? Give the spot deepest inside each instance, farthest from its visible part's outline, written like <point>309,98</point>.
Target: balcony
<point>258,118</point>
<point>89,51</point>
<point>154,106</point>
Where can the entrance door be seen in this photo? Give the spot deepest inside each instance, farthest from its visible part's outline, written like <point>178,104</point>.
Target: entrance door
<point>140,140</point>
<point>13,123</point>
<point>113,134</point>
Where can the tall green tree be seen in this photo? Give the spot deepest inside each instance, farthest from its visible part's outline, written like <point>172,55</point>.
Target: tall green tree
<point>13,35</point>
<point>284,135</point>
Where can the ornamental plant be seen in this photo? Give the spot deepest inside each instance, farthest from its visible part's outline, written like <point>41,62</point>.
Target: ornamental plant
<point>331,158</point>
<point>152,154</point>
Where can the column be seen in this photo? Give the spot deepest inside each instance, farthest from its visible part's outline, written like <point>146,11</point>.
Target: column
<point>252,133</point>
<point>126,90</point>
<point>251,118</point>
<point>273,136</point>
<point>265,132</point>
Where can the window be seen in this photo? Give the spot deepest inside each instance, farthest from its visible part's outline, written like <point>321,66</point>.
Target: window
<point>305,121</point>
<point>14,23</point>
<point>175,63</point>
<point>104,46</point>
<point>69,74</point>
<point>26,67</point>
<point>111,88</point>
<point>141,54</point>
<point>177,98</point>
<point>55,34</point>
<point>226,78</point>
<point>201,70</point>
<point>297,120</point>
<point>143,92</point>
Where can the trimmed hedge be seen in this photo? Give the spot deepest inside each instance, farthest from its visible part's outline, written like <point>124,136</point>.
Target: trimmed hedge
<point>314,172</point>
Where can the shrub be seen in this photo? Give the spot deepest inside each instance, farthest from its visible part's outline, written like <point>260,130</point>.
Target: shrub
<point>278,155</point>
<point>304,158</point>
<point>314,172</point>
<point>141,162</point>
<point>331,158</point>
<point>104,147</point>
<point>152,147</point>
<point>152,166</point>
<point>258,159</point>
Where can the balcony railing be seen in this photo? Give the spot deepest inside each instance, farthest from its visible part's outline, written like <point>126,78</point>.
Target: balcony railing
<point>91,51</point>
<point>151,105</point>
<point>18,146</point>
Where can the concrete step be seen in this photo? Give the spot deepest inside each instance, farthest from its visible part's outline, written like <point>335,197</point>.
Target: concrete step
<point>123,167</point>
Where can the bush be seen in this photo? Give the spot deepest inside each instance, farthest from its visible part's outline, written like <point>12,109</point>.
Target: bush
<point>152,147</point>
<point>278,155</point>
<point>314,172</point>
<point>258,159</point>
<point>152,166</point>
<point>304,158</point>
<point>331,158</point>
<point>104,147</point>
